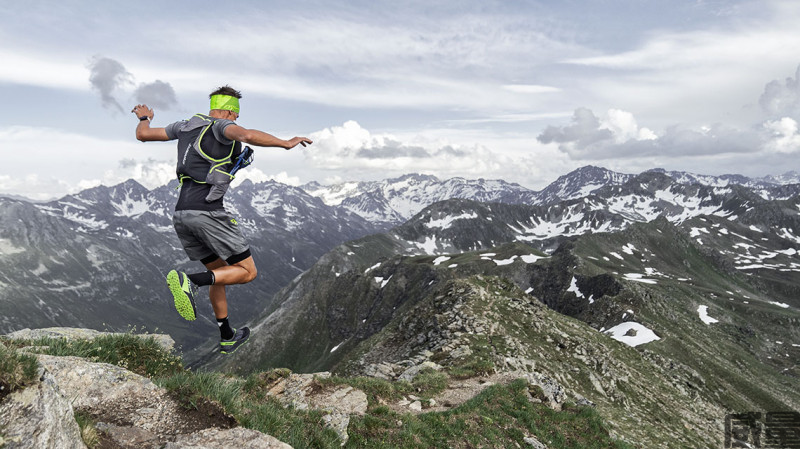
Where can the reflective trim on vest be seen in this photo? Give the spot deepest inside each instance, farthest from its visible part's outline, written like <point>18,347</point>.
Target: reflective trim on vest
<point>200,166</point>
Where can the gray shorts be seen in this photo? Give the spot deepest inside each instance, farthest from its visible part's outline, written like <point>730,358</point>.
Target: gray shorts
<point>205,234</point>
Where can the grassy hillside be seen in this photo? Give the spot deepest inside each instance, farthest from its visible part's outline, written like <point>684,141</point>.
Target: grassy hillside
<point>500,416</point>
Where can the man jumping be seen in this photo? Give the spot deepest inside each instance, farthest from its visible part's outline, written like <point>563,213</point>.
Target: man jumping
<point>208,146</point>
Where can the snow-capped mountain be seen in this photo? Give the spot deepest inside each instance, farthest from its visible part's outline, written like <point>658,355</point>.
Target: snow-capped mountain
<point>459,225</point>
<point>393,201</point>
<point>579,183</point>
<point>98,258</point>
<point>683,287</point>
<point>734,227</point>
<point>94,259</point>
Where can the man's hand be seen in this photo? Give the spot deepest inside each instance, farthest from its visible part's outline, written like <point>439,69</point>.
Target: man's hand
<point>141,110</point>
<point>144,132</point>
<point>293,142</point>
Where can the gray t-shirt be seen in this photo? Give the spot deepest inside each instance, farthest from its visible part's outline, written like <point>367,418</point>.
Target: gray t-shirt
<point>173,129</point>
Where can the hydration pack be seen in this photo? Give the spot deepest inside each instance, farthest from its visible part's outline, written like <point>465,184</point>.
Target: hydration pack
<point>205,160</point>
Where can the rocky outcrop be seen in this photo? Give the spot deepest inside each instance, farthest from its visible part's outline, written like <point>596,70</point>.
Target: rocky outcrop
<point>127,408</point>
<point>131,407</point>
<point>303,391</point>
<point>214,438</point>
<point>40,417</point>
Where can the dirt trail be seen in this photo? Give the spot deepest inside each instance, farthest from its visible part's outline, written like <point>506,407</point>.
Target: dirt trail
<point>456,393</point>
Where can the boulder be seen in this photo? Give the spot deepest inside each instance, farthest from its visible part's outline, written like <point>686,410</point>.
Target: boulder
<point>409,374</point>
<point>302,392</point>
<point>237,437</point>
<point>534,443</point>
<point>39,417</point>
<point>552,393</point>
<point>130,410</point>
<point>132,406</point>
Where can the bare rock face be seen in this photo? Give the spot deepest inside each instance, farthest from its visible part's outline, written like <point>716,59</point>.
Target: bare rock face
<point>39,417</point>
<point>214,438</point>
<point>302,392</point>
<point>548,391</point>
<point>130,410</point>
<point>117,396</point>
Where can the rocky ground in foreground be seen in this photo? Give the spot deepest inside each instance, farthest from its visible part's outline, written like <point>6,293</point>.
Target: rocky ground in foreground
<point>146,399</point>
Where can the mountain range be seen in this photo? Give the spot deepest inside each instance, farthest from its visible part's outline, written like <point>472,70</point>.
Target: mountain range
<point>664,299</point>
<point>97,259</point>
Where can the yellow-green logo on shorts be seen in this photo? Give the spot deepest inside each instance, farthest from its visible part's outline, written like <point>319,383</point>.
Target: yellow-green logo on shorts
<point>233,220</point>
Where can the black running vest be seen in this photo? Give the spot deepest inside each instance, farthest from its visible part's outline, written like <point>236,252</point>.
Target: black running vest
<point>203,159</point>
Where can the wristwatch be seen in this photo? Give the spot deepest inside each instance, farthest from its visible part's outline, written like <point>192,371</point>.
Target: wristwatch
<point>143,118</point>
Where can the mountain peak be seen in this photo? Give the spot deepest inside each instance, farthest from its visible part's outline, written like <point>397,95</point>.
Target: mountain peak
<point>415,177</point>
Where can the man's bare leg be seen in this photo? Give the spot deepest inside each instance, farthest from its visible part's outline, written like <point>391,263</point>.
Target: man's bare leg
<point>216,292</point>
<point>238,273</point>
<point>224,274</point>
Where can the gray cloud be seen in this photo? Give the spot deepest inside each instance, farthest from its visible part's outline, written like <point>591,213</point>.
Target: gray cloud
<point>586,139</point>
<point>108,75</point>
<point>683,141</point>
<point>448,150</point>
<point>583,132</point>
<point>158,94</point>
<point>127,163</point>
<point>392,149</point>
<point>782,98</point>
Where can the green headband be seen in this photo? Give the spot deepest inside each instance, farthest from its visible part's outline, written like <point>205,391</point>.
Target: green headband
<point>225,102</point>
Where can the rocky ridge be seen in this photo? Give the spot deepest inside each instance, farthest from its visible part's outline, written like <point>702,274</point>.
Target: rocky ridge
<point>128,410</point>
<point>133,412</point>
<point>637,337</point>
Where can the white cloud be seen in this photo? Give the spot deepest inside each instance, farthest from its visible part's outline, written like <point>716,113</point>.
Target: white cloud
<point>699,75</point>
<point>352,152</point>
<point>32,186</point>
<point>530,88</point>
<point>619,136</point>
<point>512,118</point>
<point>46,70</point>
<point>783,136</point>
<point>150,173</point>
<point>782,97</point>
<point>255,175</point>
<point>455,61</point>
<point>624,127</point>
<point>43,163</point>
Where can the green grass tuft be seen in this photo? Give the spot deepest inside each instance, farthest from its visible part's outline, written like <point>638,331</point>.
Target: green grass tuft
<point>429,382</point>
<point>246,400</point>
<point>140,354</point>
<point>501,416</point>
<point>17,370</point>
<point>89,433</point>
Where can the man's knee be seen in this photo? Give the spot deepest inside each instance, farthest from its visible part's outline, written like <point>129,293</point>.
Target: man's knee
<point>252,273</point>
<point>249,266</point>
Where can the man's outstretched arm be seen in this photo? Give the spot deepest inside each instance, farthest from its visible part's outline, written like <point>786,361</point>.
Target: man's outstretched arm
<point>143,130</point>
<point>262,139</point>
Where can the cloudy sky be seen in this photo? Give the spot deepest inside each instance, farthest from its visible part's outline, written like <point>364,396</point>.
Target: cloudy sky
<point>524,91</point>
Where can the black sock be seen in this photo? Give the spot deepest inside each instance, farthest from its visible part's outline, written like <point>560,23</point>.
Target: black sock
<point>201,279</point>
<point>225,330</point>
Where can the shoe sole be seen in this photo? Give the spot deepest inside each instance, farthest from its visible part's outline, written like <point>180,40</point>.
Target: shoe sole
<point>182,301</point>
<point>236,346</point>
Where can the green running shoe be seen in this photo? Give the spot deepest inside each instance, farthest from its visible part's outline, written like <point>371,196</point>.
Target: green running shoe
<point>183,291</point>
<point>239,338</point>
